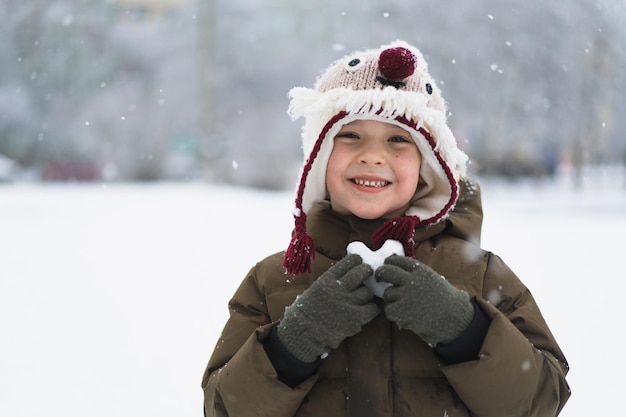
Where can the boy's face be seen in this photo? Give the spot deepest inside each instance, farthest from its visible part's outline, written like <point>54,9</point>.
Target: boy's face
<point>373,170</point>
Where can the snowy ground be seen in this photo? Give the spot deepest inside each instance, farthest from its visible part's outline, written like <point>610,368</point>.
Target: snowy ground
<point>111,297</point>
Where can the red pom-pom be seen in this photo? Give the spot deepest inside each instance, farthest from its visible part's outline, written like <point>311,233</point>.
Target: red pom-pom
<point>396,63</point>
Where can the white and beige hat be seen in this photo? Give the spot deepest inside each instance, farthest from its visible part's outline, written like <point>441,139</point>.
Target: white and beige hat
<point>389,84</point>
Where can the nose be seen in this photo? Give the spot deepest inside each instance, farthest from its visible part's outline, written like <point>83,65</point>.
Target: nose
<point>371,153</point>
<point>397,63</point>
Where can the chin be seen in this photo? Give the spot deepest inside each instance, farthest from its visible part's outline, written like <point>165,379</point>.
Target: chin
<point>369,215</point>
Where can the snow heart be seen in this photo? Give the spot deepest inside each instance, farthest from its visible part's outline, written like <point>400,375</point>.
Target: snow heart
<point>376,259</point>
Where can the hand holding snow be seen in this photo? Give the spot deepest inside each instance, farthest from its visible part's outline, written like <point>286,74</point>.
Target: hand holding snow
<point>376,259</point>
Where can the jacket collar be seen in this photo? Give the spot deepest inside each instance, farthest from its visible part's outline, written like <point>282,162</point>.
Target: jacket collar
<point>332,232</point>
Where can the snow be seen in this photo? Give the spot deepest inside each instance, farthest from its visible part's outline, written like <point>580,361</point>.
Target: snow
<point>113,296</point>
<point>376,259</point>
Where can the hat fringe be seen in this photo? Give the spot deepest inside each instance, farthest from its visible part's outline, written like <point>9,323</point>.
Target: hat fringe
<point>401,229</point>
<point>387,103</point>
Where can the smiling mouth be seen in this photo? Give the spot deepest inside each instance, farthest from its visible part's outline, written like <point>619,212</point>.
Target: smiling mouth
<point>368,183</point>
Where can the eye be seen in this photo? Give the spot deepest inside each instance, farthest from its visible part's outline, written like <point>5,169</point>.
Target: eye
<point>429,88</point>
<point>354,64</point>
<point>400,139</point>
<point>346,135</point>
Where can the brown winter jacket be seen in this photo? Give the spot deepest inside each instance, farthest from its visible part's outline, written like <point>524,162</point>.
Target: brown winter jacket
<point>385,371</point>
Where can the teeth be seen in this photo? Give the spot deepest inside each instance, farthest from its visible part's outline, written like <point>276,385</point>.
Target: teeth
<point>366,183</point>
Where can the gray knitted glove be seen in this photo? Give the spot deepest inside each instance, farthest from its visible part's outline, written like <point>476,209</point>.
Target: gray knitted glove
<point>335,307</point>
<point>423,301</point>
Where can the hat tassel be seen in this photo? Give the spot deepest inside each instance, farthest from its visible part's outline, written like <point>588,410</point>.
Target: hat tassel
<point>401,229</point>
<point>301,249</point>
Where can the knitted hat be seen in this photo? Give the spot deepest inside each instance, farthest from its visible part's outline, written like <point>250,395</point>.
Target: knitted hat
<point>389,84</point>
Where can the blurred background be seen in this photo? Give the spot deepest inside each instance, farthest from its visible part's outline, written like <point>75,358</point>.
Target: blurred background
<point>171,116</point>
<point>184,90</point>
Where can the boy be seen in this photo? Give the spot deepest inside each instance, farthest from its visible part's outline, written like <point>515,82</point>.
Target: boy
<point>452,331</point>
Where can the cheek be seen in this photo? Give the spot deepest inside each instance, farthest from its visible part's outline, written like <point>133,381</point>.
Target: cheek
<point>331,167</point>
<point>333,170</point>
<point>408,168</point>
<point>338,160</point>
